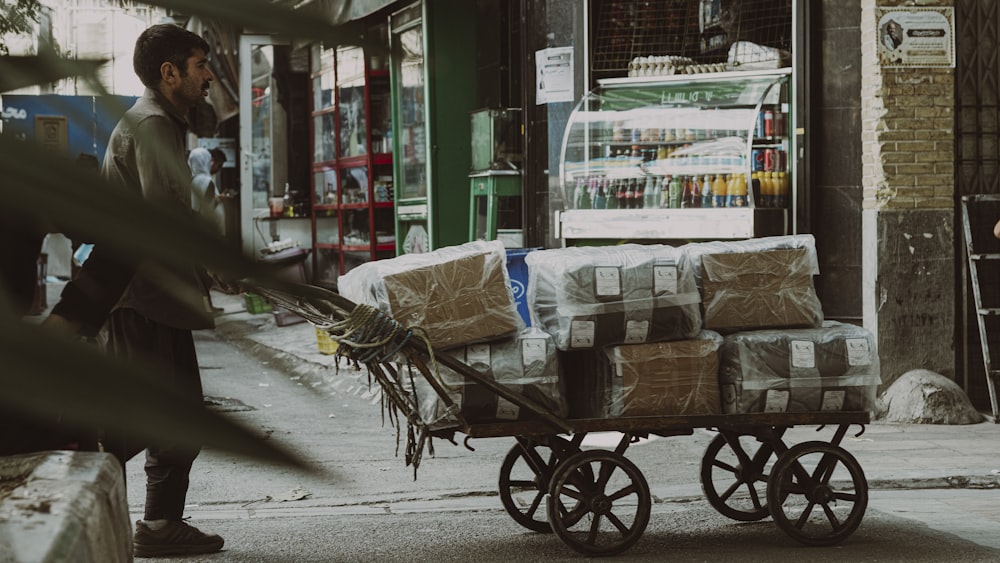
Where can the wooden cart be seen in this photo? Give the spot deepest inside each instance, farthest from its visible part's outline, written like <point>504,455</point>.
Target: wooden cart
<point>597,501</point>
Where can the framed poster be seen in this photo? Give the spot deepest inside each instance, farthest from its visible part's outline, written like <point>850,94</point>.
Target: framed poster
<point>916,37</point>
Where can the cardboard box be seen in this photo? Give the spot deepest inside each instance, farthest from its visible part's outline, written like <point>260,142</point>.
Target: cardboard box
<point>591,297</point>
<point>759,289</point>
<point>457,295</point>
<point>666,378</point>
<point>832,368</point>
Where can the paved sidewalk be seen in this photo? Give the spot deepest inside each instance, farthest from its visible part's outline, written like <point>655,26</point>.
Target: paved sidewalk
<point>893,455</point>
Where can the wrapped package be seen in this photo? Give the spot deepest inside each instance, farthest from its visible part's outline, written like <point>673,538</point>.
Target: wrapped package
<point>458,294</point>
<point>757,283</point>
<point>589,297</point>
<point>831,368</point>
<point>665,378</point>
<point>526,364</point>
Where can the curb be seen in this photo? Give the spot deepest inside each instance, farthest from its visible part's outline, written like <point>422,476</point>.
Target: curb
<point>63,506</point>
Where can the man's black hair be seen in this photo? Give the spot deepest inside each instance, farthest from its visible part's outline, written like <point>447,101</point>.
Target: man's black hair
<point>160,44</point>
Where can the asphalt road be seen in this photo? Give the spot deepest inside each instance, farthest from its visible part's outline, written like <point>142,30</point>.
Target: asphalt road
<point>363,504</point>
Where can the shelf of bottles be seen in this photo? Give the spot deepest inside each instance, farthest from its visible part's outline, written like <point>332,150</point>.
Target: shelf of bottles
<point>681,157</point>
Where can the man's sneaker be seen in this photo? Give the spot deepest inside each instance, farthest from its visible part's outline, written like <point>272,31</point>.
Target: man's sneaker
<point>176,538</point>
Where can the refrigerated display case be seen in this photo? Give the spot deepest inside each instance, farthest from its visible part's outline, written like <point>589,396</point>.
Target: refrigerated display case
<point>352,190</point>
<point>688,157</point>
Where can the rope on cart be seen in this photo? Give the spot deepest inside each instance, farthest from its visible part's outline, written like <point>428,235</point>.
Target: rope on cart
<point>369,336</point>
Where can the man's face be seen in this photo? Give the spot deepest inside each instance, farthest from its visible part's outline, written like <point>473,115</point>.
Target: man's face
<point>195,79</point>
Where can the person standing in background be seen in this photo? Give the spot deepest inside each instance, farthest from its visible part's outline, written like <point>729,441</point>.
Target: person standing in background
<point>205,198</point>
<point>155,307</point>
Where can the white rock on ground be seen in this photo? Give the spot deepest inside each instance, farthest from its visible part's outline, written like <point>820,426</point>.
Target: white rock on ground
<point>923,396</point>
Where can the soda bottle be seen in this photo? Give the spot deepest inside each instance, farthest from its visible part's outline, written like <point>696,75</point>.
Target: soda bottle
<point>674,193</point>
<point>630,196</point>
<point>578,193</point>
<point>719,191</point>
<point>584,202</point>
<point>601,198</point>
<point>706,191</point>
<point>623,194</point>
<point>738,191</point>
<point>664,192</point>
<point>640,194</point>
<point>612,195</point>
<point>760,189</point>
<point>650,193</point>
<point>784,187</point>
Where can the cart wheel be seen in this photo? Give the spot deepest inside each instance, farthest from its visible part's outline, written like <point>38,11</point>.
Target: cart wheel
<point>817,493</point>
<point>600,515</point>
<point>525,475</point>
<point>730,477</point>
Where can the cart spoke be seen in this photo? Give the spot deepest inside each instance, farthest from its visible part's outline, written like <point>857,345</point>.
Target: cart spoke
<point>571,493</point>
<point>595,527</point>
<point>534,461</point>
<point>524,484</point>
<point>617,523</point>
<point>732,489</point>
<point>754,498</point>
<point>573,515</point>
<point>831,516</point>
<point>804,517</point>
<point>824,469</point>
<point>845,496</point>
<point>624,492</point>
<point>535,503</point>
<point>723,465</point>
<point>604,476</point>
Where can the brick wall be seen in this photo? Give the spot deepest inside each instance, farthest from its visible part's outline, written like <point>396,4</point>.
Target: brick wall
<point>908,240</point>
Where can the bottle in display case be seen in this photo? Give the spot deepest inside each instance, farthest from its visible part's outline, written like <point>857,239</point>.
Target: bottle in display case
<point>679,157</point>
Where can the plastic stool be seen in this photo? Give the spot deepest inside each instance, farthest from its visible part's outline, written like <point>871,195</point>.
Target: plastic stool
<point>492,185</point>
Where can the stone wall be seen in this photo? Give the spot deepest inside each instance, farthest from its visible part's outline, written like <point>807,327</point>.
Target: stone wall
<point>908,235</point>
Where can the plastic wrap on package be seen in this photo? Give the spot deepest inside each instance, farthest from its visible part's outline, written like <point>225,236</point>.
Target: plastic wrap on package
<point>665,378</point>
<point>757,283</point>
<point>457,294</point>
<point>526,364</point>
<point>831,368</point>
<point>588,297</point>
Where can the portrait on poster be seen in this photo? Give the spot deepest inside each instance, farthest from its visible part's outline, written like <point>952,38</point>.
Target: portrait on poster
<point>916,37</point>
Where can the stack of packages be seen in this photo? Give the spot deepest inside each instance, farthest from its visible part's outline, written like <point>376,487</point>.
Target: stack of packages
<point>461,298</point>
<point>627,322</point>
<point>778,354</point>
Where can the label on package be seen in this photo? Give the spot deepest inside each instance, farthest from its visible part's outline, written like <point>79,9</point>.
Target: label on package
<point>858,353</point>
<point>506,410</point>
<point>477,354</point>
<point>581,334</point>
<point>607,281</point>
<point>664,279</point>
<point>776,400</point>
<point>803,353</point>
<point>833,400</point>
<point>636,331</point>
<point>532,350</point>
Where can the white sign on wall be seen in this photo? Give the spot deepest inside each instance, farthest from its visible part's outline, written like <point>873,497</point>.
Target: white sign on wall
<point>916,37</point>
<point>554,75</point>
